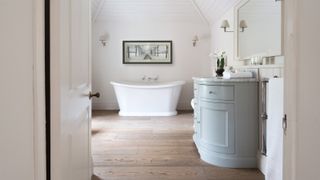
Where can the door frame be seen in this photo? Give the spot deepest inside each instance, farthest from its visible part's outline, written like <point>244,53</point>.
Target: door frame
<point>290,32</point>
<point>290,88</point>
<point>39,90</point>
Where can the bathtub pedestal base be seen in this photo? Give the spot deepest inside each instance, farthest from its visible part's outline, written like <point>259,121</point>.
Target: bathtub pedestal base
<point>172,113</point>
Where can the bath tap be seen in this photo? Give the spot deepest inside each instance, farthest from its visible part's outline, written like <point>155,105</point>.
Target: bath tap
<point>150,78</point>
<point>153,78</point>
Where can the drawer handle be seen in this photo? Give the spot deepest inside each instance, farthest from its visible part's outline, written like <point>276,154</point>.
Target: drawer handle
<point>212,92</point>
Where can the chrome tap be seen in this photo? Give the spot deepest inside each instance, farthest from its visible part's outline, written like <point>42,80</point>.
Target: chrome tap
<point>156,78</point>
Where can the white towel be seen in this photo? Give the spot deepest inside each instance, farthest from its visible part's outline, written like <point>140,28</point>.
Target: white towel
<point>237,75</point>
<point>274,129</point>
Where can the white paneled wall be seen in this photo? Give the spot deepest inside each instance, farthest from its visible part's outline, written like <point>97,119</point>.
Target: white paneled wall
<point>147,10</point>
<point>188,61</point>
<point>222,41</point>
<point>176,20</point>
<point>160,10</point>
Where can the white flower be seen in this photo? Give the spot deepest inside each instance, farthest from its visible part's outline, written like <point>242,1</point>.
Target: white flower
<point>219,54</point>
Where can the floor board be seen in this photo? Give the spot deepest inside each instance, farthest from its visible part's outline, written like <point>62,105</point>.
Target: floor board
<point>152,148</point>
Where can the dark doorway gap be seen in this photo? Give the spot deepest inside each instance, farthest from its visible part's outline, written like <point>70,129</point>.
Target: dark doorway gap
<point>47,87</point>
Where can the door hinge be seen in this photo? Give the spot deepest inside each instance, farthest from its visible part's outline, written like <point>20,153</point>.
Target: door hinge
<point>284,123</point>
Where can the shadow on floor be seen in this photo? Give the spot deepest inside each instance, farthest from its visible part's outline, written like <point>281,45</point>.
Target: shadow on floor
<point>94,177</point>
<point>95,131</point>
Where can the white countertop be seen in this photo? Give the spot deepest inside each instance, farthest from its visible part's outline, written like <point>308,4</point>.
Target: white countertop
<point>215,79</point>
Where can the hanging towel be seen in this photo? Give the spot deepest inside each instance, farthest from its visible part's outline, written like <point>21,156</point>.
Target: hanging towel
<point>274,129</point>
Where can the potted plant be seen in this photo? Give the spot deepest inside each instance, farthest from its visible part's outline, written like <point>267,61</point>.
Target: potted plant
<point>221,59</point>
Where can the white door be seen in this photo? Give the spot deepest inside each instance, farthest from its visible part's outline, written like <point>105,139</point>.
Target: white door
<point>71,84</point>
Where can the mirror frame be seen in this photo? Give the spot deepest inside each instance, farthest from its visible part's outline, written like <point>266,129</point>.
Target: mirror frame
<point>236,32</point>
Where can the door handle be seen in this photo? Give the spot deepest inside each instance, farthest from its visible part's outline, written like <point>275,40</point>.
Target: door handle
<point>264,116</point>
<point>285,123</point>
<point>91,95</point>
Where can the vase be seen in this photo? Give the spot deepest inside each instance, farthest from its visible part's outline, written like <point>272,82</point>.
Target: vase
<point>219,72</point>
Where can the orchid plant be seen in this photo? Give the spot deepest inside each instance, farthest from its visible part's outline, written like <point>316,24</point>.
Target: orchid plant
<point>221,57</point>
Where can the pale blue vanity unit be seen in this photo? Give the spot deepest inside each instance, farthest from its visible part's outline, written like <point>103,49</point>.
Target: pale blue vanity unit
<point>226,121</point>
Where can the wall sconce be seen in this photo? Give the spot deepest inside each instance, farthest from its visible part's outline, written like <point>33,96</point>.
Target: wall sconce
<point>195,40</point>
<point>103,39</point>
<point>243,25</point>
<point>225,24</point>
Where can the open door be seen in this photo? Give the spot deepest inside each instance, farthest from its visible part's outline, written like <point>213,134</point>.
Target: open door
<point>70,89</point>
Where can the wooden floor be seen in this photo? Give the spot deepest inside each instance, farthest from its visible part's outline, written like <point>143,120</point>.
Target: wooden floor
<point>152,148</point>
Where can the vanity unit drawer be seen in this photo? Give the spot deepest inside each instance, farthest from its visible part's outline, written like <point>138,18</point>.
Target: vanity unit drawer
<point>225,93</point>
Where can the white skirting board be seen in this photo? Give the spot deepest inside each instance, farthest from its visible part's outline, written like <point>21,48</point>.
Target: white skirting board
<point>262,162</point>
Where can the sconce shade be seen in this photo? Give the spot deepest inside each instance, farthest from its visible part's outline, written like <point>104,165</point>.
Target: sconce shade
<point>243,24</point>
<point>103,39</point>
<point>225,24</point>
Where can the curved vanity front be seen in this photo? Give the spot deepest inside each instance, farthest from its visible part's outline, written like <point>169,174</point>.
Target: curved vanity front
<point>226,121</point>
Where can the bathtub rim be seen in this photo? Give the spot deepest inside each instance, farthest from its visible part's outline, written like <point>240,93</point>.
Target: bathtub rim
<point>151,85</point>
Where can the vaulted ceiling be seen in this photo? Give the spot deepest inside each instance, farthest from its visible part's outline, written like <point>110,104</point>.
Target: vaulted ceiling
<point>207,11</point>
<point>214,9</point>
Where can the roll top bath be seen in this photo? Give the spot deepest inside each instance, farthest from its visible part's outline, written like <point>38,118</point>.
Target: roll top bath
<point>148,98</point>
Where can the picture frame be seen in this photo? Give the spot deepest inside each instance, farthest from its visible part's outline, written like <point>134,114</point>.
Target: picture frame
<point>147,52</point>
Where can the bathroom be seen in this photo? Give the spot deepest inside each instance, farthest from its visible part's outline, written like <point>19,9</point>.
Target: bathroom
<point>61,59</point>
<point>196,33</point>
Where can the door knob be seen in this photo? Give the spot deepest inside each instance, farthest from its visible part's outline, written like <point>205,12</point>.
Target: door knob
<point>91,95</point>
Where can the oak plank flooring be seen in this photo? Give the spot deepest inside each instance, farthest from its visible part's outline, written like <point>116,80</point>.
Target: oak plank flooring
<point>152,148</point>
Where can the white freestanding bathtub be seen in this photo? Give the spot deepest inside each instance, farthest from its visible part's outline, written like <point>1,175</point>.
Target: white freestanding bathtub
<point>148,98</point>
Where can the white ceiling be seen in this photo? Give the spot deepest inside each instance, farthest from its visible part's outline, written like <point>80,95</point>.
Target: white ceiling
<point>215,9</point>
<point>206,11</point>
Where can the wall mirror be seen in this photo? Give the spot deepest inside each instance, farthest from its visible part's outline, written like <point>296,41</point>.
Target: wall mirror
<point>258,29</point>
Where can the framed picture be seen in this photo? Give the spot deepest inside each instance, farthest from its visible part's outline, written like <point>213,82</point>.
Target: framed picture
<point>147,52</point>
